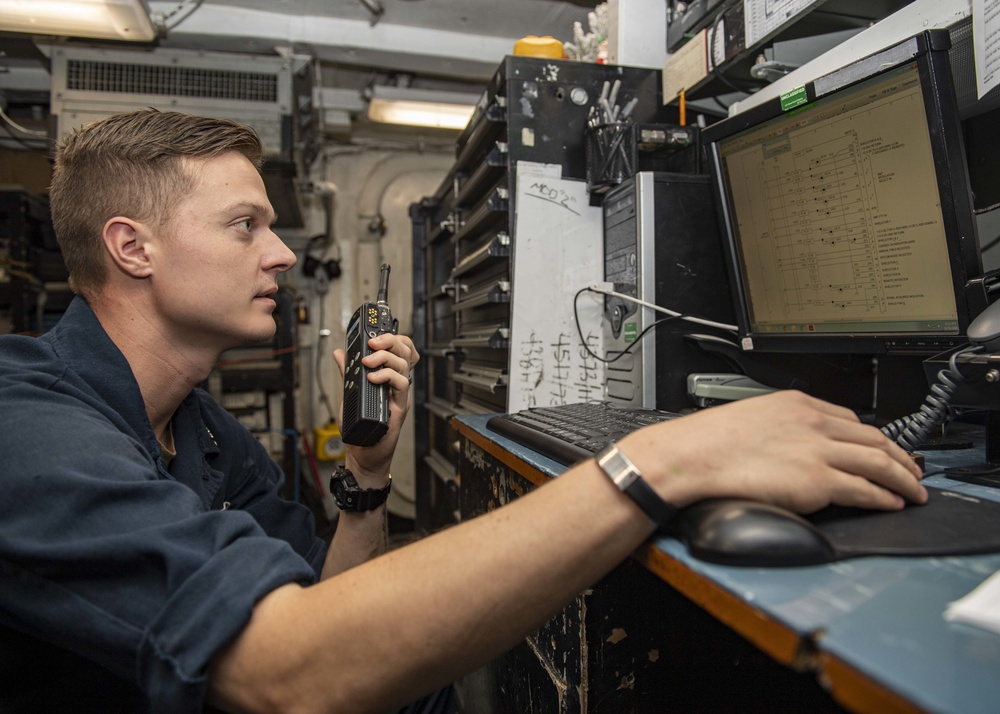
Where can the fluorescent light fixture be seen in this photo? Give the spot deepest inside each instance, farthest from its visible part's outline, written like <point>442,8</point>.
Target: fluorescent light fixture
<point>100,19</point>
<point>421,107</point>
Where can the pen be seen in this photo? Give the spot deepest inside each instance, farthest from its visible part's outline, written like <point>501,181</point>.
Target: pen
<point>608,116</point>
<point>614,92</point>
<point>629,107</point>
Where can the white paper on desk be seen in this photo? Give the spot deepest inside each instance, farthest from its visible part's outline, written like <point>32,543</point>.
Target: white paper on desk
<point>558,250</point>
<point>981,607</point>
<point>986,41</point>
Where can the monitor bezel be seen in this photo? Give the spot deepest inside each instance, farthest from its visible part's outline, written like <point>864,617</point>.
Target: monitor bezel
<point>929,51</point>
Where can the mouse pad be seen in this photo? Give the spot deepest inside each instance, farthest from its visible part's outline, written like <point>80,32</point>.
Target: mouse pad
<point>949,523</point>
<point>751,533</point>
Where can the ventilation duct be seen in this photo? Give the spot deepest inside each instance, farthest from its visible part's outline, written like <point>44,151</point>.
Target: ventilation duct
<point>271,94</point>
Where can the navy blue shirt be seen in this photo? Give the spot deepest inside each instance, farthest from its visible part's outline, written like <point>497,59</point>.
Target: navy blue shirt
<point>120,579</point>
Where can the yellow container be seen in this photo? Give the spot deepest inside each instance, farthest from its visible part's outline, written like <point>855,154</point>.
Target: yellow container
<point>329,444</point>
<point>532,46</point>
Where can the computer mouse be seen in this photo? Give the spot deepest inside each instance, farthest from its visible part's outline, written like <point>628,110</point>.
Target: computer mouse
<point>732,531</point>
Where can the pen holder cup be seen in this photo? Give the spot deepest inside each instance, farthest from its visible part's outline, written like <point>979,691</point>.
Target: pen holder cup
<point>610,155</point>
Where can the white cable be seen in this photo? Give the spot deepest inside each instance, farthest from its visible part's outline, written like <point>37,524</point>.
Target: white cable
<point>29,132</point>
<point>698,337</point>
<point>697,320</point>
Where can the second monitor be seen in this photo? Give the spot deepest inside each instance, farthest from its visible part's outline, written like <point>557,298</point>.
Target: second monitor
<point>847,210</point>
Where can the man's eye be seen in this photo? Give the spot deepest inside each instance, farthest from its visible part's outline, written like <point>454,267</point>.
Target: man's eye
<point>246,224</point>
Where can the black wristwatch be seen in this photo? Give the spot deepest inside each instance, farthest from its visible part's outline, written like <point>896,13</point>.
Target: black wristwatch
<point>350,497</point>
<point>623,473</point>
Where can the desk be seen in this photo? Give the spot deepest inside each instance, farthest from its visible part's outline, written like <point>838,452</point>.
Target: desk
<point>865,634</point>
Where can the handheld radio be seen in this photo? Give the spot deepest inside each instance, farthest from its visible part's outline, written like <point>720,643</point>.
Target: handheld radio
<point>366,405</point>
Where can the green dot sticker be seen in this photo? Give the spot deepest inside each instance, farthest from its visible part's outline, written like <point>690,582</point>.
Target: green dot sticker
<point>630,332</point>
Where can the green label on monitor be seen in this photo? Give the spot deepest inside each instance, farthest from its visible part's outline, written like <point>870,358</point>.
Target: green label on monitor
<point>792,99</point>
<point>630,332</point>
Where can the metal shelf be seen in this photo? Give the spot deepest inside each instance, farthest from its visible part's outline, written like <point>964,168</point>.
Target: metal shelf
<point>440,408</point>
<point>488,123</point>
<point>491,337</point>
<point>496,292</point>
<point>442,468</point>
<point>491,210</point>
<point>490,379</point>
<point>498,246</point>
<point>534,110</point>
<point>489,172</point>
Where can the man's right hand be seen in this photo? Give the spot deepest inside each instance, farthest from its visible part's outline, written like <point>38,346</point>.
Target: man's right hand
<point>785,448</point>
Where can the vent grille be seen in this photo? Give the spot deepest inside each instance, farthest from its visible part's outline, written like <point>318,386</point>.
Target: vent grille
<point>122,78</point>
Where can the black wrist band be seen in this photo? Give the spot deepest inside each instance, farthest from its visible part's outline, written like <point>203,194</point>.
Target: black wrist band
<point>623,473</point>
<point>350,497</point>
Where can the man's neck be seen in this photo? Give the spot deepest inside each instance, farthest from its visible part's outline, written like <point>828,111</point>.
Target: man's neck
<point>165,371</point>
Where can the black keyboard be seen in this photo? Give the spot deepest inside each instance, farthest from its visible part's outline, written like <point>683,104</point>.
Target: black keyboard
<point>573,432</point>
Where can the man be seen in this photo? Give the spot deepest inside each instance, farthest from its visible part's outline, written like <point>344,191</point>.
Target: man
<point>147,560</point>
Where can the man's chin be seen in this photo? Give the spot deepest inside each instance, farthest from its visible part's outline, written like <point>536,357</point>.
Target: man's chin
<point>259,341</point>
<point>264,334</point>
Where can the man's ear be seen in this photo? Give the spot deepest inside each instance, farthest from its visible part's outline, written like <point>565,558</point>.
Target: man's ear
<point>125,241</point>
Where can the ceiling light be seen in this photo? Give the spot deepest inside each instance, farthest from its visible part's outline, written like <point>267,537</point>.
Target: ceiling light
<point>103,19</point>
<point>421,107</point>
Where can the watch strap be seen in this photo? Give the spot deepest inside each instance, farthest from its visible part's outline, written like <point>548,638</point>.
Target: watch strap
<point>624,474</point>
<point>350,497</point>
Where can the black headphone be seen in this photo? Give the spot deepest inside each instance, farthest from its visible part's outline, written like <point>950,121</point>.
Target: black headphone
<point>314,259</point>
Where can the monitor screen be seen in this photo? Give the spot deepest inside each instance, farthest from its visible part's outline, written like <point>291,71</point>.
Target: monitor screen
<point>848,217</point>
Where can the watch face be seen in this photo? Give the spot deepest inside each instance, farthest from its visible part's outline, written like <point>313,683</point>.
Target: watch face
<point>338,487</point>
<point>350,497</point>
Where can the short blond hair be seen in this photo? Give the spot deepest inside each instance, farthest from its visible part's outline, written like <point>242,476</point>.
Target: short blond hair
<point>130,165</point>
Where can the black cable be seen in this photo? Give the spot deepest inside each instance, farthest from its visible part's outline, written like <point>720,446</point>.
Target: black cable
<point>986,209</point>
<point>725,107</point>
<point>579,330</point>
<point>715,68</point>
<point>991,244</point>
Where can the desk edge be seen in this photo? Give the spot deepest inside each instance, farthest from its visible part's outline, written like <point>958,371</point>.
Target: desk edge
<point>777,640</point>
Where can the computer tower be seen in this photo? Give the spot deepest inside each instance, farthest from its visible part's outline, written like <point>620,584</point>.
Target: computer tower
<point>662,246</point>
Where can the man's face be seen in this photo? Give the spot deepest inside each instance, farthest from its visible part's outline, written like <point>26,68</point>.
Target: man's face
<point>218,260</point>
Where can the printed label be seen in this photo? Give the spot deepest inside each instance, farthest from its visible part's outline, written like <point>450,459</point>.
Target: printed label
<point>792,99</point>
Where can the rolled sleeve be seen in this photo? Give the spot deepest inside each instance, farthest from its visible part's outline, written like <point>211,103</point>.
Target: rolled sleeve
<point>206,613</point>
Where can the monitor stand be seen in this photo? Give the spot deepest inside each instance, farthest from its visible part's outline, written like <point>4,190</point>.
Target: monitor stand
<point>988,473</point>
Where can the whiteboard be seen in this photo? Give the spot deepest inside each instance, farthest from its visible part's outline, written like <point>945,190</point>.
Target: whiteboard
<point>557,250</point>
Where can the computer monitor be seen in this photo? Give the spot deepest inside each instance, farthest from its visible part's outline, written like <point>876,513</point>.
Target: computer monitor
<point>846,210</point>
